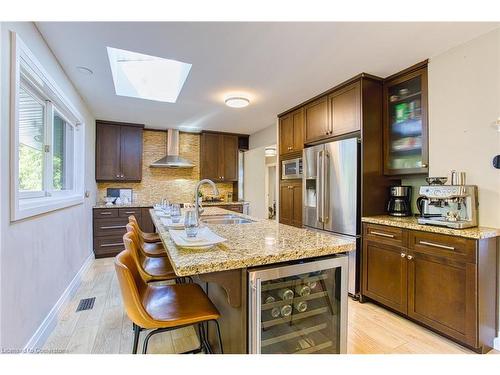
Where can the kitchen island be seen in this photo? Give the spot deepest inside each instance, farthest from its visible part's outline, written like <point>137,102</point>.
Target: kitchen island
<point>223,269</point>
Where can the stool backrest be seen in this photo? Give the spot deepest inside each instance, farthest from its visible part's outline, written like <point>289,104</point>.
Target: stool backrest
<point>132,288</point>
<point>132,244</point>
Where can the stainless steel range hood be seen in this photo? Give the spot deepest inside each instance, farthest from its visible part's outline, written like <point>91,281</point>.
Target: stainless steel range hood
<point>172,160</point>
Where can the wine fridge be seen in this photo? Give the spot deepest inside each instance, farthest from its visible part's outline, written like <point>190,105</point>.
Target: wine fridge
<point>299,308</point>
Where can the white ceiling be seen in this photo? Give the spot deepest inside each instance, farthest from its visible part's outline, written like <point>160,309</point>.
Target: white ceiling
<point>278,64</point>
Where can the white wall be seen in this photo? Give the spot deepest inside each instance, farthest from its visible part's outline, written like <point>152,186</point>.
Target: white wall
<point>264,137</point>
<point>40,255</point>
<point>464,100</point>
<point>254,182</point>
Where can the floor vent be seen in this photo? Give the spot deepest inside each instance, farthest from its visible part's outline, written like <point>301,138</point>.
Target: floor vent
<point>86,304</point>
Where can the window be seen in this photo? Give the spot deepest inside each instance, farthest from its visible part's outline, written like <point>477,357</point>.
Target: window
<point>47,134</point>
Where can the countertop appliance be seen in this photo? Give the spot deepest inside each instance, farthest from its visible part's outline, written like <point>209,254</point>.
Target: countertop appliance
<point>399,201</point>
<point>331,193</point>
<point>452,206</point>
<point>291,169</point>
<point>298,308</point>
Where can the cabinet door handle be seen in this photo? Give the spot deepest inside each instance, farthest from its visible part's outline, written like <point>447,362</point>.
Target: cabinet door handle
<point>403,255</point>
<point>105,213</point>
<point>436,245</point>
<point>117,176</point>
<point>410,257</point>
<point>112,244</point>
<point>382,234</point>
<point>114,227</point>
<point>130,212</point>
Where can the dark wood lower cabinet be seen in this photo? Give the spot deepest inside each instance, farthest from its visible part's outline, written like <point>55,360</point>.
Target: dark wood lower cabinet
<point>385,275</point>
<point>291,202</point>
<point>444,282</point>
<point>109,226</point>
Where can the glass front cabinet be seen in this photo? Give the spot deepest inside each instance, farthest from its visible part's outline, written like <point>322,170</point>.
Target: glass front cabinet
<point>405,122</point>
<point>299,308</point>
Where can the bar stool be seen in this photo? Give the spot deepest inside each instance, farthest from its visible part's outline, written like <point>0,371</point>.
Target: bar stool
<point>148,237</point>
<point>150,268</point>
<point>149,249</point>
<point>163,308</point>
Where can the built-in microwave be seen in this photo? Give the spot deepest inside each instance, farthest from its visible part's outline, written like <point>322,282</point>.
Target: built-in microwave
<point>291,169</point>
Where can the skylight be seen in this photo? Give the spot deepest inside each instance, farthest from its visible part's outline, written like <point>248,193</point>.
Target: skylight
<point>147,77</point>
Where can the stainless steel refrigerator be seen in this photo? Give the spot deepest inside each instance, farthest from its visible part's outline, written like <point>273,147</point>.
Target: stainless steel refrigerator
<point>332,194</point>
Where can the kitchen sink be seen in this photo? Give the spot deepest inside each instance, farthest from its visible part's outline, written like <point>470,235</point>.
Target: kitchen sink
<point>225,219</point>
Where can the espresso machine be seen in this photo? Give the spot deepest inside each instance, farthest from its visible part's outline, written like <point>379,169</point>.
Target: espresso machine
<point>399,201</point>
<point>452,206</point>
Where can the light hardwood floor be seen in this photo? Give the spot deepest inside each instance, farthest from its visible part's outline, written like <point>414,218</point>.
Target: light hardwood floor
<point>107,329</point>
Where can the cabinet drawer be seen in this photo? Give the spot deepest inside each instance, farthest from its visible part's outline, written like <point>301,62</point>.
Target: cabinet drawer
<point>105,213</point>
<point>455,248</point>
<point>385,234</point>
<point>126,212</point>
<point>108,246</point>
<point>110,227</point>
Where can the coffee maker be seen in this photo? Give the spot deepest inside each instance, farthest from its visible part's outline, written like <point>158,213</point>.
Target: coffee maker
<point>399,201</point>
<point>452,206</point>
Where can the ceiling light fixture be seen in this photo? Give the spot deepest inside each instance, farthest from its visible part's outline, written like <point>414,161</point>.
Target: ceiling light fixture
<point>237,101</point>
<point>85,70</point>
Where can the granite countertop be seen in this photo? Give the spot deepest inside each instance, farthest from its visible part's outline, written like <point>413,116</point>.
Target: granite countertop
<point>410,222</point>
<point>147,204</point>
<point>252,244</point>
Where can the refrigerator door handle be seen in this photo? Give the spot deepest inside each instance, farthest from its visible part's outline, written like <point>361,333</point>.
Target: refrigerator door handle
<point>319,191</point>
<point>324,177</point>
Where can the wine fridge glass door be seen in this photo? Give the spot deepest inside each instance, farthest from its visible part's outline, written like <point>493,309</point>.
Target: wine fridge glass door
<point>299,309</point>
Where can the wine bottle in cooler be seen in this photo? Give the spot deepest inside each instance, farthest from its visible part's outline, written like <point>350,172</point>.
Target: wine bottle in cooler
<point>286,310</point>
<point>286,294</point>
<point>302,290</point>
<point>300,306</point>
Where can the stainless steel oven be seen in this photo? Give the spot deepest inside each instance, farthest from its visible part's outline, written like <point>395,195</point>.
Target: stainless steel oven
<point>291,169</point>
<point>299,308</point>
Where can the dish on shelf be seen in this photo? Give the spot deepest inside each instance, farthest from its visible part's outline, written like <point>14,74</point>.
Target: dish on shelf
<point>407,144</point>
<point>407,128</point>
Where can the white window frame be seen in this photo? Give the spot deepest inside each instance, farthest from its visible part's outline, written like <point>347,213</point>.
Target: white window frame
<point>44,88</point>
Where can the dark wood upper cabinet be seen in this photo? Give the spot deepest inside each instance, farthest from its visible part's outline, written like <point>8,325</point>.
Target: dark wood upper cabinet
<point>344,108</point>
<point>107,158</point>
<point>209,156</point>
<point>131,153</point>
<point>291,203</point>
<point>406,122</point>
<point>118,151</point>
<point>219,157</point>
<point>291,130</point>
<point>316,122</point>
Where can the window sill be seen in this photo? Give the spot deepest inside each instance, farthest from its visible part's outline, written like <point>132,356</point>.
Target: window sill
<point>37,206</point>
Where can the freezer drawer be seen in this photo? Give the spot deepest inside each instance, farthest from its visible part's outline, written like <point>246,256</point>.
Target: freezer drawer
<point>299,308</point>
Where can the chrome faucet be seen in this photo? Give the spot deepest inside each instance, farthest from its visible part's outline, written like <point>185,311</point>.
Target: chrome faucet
<point>197,190</point>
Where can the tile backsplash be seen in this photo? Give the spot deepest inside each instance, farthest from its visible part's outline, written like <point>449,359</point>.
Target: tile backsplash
<point>176,185</point>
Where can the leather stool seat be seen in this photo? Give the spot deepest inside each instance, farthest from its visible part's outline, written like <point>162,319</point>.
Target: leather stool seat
<point>179,304</point>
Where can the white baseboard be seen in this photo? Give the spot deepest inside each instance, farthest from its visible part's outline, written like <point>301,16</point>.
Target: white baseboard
<point>496,342</point>
<point>38,339</point>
